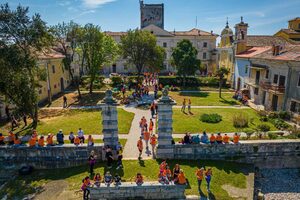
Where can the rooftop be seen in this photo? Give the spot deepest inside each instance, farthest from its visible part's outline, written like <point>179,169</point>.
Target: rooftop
<point>264,40</point>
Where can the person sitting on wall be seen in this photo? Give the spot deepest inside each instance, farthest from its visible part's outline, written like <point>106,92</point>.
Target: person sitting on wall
<point>117,180</point>
<point>81,135</point>
<point>77,141</point>
<point>187,139</point>
<point>11,138</point>
<point>181,178</point>
<point>60,137</point>
<point>71,137</point>
<point>226,139</point>
<point>2,139</point>
<point>212,139</point>
<point>17,141</point>
<point>167,173</point>
<point>50,140</point>
<point>32,142</point>
<point>236,138</point>
<point>163,178</point>
<point>139,180</point>
<point>97,180</point>
<point>90,141</point>
<point>219,138</point>
<point>41,141</point>
<point>204,138</point>
<point>195,139</point>
<point>108,179</point>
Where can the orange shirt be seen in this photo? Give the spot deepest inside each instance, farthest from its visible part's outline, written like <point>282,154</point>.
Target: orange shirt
<point>41,142</point>
<point>17,141</point>
<point>50,140</point>
<point>1,138</point>
<point>167,172</point>
<point>77,140</point>
<point>212,138</point>
<point>181,178</point>
<point>153,140</point>
<point>11,137</point>
<point>219,138</point>
<point>146,135</point>
<point>32,142</point>
<point>163,166</point>
<point>226,139</point>
<point>236,139</point>
<point>199,174</point>
<point>140,144</point>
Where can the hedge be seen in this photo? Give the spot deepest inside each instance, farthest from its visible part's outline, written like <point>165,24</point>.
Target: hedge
<point>190,81</point>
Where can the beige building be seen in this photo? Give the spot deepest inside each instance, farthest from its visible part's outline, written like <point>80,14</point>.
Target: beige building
<point>204,42</point>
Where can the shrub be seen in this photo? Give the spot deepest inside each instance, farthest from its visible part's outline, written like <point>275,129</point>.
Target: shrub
<point>284,115</point>
<point>189,81</point>
<point>249,132</point>
<point>240,120</point>
<point>263,118</point>
<point>273,115</point>
<point>280,124</point>
<point>263,127</point>
<point>211,118</point>
<point>272,135</point>
<point>116,81</point>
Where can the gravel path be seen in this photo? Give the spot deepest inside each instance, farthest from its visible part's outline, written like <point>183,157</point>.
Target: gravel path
<point>279,184</point>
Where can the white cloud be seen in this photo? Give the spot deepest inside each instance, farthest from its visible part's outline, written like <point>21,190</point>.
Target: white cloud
<point>95,3</point>
<point>64,3</point>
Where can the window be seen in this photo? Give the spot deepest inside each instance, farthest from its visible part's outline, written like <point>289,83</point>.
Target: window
<point>205,44</point>
<point>293,106</point>
<point>204,55</point>
<point>164,44</point>
<point>256,91</point>
<point>246,69</point>
<point>298,81</point>
<point>53,69</point>
<point>275,80</point>
<point>267,74</point>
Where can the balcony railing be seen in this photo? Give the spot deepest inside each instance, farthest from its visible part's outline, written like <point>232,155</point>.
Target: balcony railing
<point>251,81</point>
<point>269,86</point>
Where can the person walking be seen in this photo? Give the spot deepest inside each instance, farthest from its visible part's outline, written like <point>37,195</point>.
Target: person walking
<point>140,147</point>
<point>189,105</point>
<point>109,157</point>
<point>92,162</point>
<point>208,175</point>
<point>153,142</point>
<point>65,104</point>
<point>199,174</point>
<point>183,105</point>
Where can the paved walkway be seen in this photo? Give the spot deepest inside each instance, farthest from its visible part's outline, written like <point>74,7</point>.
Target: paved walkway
<point>130,149</point>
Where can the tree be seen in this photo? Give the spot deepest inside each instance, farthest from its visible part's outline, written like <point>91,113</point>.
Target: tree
<point>22,40</point>
<point>221,73</point>
<point>99,48</point>
<point>66,37</point>
<point>184,57</point>
<point>139,48</point>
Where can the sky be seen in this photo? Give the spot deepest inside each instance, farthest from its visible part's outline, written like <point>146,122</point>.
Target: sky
<point>265,17</point>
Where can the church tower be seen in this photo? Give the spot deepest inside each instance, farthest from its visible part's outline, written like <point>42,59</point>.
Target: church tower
<point>241,36</point>
<point>226,36</point>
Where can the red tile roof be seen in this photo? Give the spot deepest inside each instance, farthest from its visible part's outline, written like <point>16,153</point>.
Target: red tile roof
<point>50,55</point>
<point>288,53</point>
<point>264,40</point>
<point>193,32</point>
<point>253,52</point>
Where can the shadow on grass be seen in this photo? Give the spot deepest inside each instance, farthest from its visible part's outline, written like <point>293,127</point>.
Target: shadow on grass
<point>194,94</point>
<point>88,99</point>
<point>229,102</point>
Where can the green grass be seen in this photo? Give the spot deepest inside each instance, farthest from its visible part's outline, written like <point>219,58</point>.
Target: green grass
<point>205,98</point>
<point>223,173</point>
<point>183,123</point>
<point>89,120</point>
<point>70,120</point>
<point>97,141</point>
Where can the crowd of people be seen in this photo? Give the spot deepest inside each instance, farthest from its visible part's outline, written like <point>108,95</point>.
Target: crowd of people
<point>212,139</point>
<point>37,140</point>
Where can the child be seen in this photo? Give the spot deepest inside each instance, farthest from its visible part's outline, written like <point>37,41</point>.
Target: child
<point>90,141</point>
<point>151,125</point>
<point>97,180</point>
<point>199,174</point>
<point>236,138</point>
<point>162,178</point>
<point>219,138</point>
<point>50,140</point>
<point>1,139</point>
<point>181,178</point>
<point>77,141</point>
<point>71,137</point>
<point>153,141</point>
<point>17,141</point>
<point>92,162</point>
<point>176,172</point>
<point>120,157</point>
<point>167,173</point>
<point>117,180</point>
<point>32,142</point>
<point>85,184</point>
<point>146,138</point>
<point>212,139</point>
<point>208,175</point>
<point>163,166</point>
<point>139,180</point>
<point>108,179</point>
<point>189,105</point>
<point>41,141</point>
<point>140,147</point>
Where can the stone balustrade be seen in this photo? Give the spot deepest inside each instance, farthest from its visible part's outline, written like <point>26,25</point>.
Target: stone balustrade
<point>129,190</point>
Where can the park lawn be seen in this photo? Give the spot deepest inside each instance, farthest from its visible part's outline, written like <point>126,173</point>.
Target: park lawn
<point>183,123</point>
<point>223,173</point>
<point>89,120</point>
<point>205,98</point>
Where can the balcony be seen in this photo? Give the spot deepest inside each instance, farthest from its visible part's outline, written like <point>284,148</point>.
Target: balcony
<point>251,81</point>
<point>277,89</point>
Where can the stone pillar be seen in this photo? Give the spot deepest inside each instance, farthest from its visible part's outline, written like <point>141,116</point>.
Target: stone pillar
<point>165,148</point>
<point>109,120</point>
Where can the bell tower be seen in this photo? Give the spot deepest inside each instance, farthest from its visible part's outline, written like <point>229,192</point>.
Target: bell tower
<point>241,36</point>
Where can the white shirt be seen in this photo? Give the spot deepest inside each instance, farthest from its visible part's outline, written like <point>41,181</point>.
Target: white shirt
<point>80,133</point>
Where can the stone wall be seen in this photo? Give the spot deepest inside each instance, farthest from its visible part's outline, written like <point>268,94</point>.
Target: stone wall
<point>265,154</point>
<point>48,157</point>
<point>151,190</point>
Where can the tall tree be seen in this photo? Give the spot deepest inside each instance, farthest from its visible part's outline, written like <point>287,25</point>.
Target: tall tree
<point>184,57</point>
<point>100,49</point>
<point>139,48</point>
<point>22,39</point>
<point>221,73</point>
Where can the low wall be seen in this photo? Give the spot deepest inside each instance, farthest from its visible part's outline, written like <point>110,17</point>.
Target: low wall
<point>265,154</point>
<point>150,190</point>
<point>47,157</point>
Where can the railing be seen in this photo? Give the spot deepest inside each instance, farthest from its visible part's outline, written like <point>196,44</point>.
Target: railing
<point>269,86</point>
<point>251,81</point>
